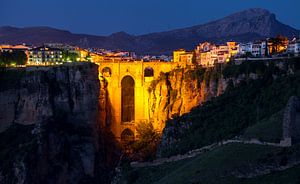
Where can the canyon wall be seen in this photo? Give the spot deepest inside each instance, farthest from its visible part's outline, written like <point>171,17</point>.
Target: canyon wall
<point>177,92</point>
<point>63,107</point>
<point>180,133</point>
<point>34,94</point>
<point>291,122</point>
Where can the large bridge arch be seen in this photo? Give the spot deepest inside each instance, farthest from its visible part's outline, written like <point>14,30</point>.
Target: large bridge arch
<point>127,99</point>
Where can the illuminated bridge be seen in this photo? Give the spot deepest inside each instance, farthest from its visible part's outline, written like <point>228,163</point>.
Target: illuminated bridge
<point>128,84</point>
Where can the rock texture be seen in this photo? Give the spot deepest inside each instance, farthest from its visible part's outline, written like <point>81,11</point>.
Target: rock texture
<point>33,95</point>
<point>67,143</point>
<point>211,83</point>
<point>177,92</point>
<point>291,122</point>
<point>242,26</point>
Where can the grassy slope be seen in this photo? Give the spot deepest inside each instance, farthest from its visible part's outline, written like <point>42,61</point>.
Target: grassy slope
<point>216,166</point>
<point>233,112</point>
<point>289,176</point>
<point>267,130</point>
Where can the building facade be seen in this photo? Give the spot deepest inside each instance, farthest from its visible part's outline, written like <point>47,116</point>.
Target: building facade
<point>208,54</point>
<point>41,55</point>
<point>294,47</point>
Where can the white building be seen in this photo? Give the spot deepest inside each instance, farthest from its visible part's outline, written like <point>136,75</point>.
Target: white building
<point>259,48</point>
<point>294,47</point>
<point>41,55</point>
<point>244,48</point>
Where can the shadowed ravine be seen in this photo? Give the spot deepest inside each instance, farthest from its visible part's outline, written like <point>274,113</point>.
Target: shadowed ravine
<point>51,121</point>
<point>57,121</point>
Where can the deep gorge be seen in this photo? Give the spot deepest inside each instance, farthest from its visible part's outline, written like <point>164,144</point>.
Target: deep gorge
<point>64,112</point>
<point>56,120</point>
<point>51,121</point>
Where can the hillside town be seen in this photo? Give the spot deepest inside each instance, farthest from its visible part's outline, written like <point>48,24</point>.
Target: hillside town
<point>205,54</point>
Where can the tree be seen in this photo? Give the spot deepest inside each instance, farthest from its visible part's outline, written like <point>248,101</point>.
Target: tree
<point>88,57</point>
<point>69,56</point>
<point>13,57</point>
<point>145,146</point>
<point>20,57</point>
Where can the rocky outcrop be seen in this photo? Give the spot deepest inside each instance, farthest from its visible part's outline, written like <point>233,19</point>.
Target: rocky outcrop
<point>291,122</point>
<point>177,92</point>
<point>66,143</point>
<point>212,82</point>
<point>34,94</point>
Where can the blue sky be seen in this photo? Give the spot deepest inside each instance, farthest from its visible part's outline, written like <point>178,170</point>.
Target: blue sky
<point>103,17</point>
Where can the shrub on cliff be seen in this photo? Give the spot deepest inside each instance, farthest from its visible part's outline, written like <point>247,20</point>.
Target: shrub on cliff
<point>232,70</point>
<point>145,147</point>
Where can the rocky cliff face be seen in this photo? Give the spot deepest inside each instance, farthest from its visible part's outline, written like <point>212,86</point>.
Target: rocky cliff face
<point>33,95</point>
<point>242,82</point>
<point>64,142</point>
<point>291,122</point>
<point>177,92</point>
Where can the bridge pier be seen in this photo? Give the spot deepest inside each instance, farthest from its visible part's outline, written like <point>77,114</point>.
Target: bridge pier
<point>142,73</point>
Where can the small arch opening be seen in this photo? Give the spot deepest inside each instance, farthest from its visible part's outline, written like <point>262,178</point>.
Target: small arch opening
<point>127,136</point>
<point>106,72</point>
<point>148,72</point>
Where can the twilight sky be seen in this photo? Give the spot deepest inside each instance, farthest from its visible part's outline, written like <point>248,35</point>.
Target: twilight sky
<point>103,17</point>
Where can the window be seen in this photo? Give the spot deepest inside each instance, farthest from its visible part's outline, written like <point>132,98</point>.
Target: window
<point>148,72</point>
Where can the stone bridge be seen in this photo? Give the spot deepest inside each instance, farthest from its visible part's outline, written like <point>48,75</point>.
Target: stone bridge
<point>128,84</point>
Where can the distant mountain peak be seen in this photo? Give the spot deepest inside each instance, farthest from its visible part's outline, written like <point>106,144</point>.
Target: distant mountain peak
<point>257,11</point>
<point>253,12</point>
<point>120,34</point>
<point>243,26</point>
<point>250,14</point>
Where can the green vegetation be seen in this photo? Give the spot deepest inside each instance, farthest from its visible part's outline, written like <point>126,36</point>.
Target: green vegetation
<point>251,107</point>
<point>145,147</point>
<point>267,130</point>
<point>12,58</point>
<point>196,74</point>
<point>238,108</point>
<point>217,166</point>
<point>149,175</point>
<point>259,68</point>
<point>289,176</point>
<point>69,56</point>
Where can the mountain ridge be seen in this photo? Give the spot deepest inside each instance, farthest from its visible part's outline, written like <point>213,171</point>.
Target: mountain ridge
<point>243,26</point>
